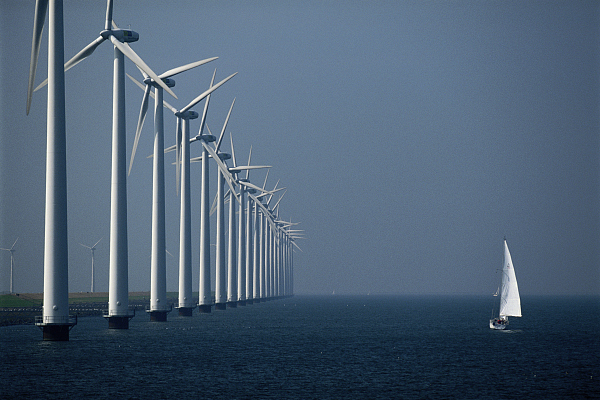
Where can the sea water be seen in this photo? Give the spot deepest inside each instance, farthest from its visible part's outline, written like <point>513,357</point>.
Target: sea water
<point>319,347</point>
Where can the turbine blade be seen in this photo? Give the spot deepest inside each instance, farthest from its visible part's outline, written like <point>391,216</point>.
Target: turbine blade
<point>140,124</point>
<point>132,55</point>
<point>222,166</point>
<point>249,157</point>
<point>232,151</point>
<point>266,177</point>
<point>77,58</point>
<point>206,93</point>
<point>38,28</point>
<point>276,190</point>
<point>218,145</point>
<point>187,67</point>
<point>109,9</point>
<point>143,87</point>
<point>13,246</point>
<point>145,75</point>
<point>101,237</point>
<point>84,53</point>
<point>277,204</point>
<point>248,167</point>
<point>203,120</point>
<point>265,210</point>
<point>253,186</point>
<point>213,207</point>
<point>168,149</point>
<point>208,129</point>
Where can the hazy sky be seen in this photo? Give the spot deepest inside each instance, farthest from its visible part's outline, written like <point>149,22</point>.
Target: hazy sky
<point>412,137</point>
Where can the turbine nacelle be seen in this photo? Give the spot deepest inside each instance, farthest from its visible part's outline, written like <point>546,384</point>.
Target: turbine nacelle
<point>224,156</point>
<point>168,81</point>
<point>206,137</point>
<point>189,114</point>
<point>122,35</point>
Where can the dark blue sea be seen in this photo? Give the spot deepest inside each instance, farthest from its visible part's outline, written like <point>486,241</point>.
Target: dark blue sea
<point>312,347</point>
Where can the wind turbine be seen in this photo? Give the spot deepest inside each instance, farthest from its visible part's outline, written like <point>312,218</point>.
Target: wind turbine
<point>243,237</point>
<point>118,299</point>
<point>220,269</point>
<point>220,279</point>
<point>232,290</point>
<point>277,244</point>
<point>158,265</point>
<point>12,263</point>
<point>92,250</point>
<point>268,258</point>
<point>182,141</point>
<point>55,321</point>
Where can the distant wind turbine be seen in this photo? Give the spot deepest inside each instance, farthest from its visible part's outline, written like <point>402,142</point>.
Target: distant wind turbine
<point>182,142</point>
<point>12,263</point>
<point>92,250</point>
<point>158,264</point>
<point>242,252</point>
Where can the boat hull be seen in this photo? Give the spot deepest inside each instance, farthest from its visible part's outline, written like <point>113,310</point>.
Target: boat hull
<point>498,324</point>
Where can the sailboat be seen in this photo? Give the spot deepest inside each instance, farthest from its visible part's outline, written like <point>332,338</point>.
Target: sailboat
<point>510,301</point>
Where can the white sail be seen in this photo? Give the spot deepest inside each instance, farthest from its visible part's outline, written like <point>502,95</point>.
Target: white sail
<point>510,302</point>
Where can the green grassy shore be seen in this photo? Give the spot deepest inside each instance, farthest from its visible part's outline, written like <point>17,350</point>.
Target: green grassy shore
<point>22,308</point>
<point>16,300</point>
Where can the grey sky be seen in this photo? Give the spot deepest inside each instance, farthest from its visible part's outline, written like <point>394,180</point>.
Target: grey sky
<point>412,137</point>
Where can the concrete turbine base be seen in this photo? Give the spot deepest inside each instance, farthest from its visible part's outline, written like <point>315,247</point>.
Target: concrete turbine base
<point>53,331</point>
<point>185,311</point>
<point>158,315</point>
<point>118,322</point>
<point>231,304</point>
<point>220,306</point>
<point>56,333</point>
<point>204,308</point>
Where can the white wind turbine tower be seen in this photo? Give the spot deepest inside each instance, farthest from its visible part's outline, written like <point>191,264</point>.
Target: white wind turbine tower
<point>259,249</point>
<point>270,247</point>
<point>220,281</point>
<point>292,235</point>
<point>220,270</point>
<point>118,298</point>
<point>265,246</point>
<point>205,299</point>
<point>183,116</point>
<point>277,250</point>
<point>286,241</point>
<point>242,248</point>
<point>55,321</point>
<point>204,293</point>
<point>257,245</point>
<point>12,264</point>
<point>230,179</point>
<point>251,240</point>
<point>260,243</point>
<point>92,250</point>
<point>158,265</point>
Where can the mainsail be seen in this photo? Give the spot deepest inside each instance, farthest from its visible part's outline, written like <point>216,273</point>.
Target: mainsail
<point>510,302</point>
